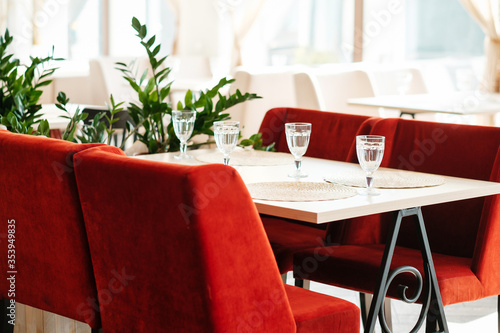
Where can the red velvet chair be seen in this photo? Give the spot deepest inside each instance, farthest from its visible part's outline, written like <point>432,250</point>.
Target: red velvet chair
<point>464,236</point>
<point>189,246</point>
<point>52,257</point>
<point>333,136</point>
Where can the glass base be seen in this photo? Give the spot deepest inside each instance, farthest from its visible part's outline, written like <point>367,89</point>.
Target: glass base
<point>183,157</point>
<point>298,175</point>
<point>370,192</point>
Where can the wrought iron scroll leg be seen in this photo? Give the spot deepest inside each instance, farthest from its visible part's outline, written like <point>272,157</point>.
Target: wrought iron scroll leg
<point>378,295</point>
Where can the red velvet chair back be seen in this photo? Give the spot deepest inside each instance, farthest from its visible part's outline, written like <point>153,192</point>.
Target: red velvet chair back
<point>447,149</point>
<point>38,191</point>
<point>486,259</point>
<point>188,243</point>
<point>332,137</point>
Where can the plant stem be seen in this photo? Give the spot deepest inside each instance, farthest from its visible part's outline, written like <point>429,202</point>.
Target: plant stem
<point>133,131</point>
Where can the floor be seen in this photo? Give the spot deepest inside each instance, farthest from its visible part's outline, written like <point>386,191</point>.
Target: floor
<point>478,316</point>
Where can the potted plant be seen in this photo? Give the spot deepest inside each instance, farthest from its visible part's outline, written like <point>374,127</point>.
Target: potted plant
<point>20,90</point>
<point>153,109</point>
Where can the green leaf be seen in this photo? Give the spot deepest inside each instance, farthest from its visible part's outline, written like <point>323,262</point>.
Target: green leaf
<point>136,24</point>
<point>246,142</point>
<point>44,128</point>
<point>143,31</point>
<point>188,99</point>
<point>151,41</point>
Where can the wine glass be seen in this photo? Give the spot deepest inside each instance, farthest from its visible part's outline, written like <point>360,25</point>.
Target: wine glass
<point>370,150</point>
<point>183,122</point>
<point>297,137</point>
<point>226,136</point>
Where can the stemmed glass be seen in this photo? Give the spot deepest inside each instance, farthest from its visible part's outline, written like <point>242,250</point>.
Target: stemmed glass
<point>183,122</point>
<point>226,136</point>
<point>370,150</point>
<point>297,137</point>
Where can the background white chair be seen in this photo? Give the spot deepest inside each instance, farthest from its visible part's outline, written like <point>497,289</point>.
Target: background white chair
<point>331,91</point>
<point>276,89</point>
<point>397,81</point>
<point>105,79</point>
<point>403,81</point>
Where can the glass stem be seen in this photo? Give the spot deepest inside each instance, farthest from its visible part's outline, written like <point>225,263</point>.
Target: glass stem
<point>369,182</point>
<point>183,148</point>
<point>226,160</point>
<point>298,164</point>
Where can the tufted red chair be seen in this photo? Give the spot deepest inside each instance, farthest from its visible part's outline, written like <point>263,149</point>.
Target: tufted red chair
<point>464,236</point>
<point>191,253</point>
<point>52,257</point>
<point>333,135</point>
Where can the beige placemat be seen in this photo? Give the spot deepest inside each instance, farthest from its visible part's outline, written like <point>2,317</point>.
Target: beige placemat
<point>384,178</point>
<point>248,158</point>
<point>299,191</point>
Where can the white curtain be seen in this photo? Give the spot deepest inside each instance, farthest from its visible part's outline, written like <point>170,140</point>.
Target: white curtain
<point>175,6</point>
<point>241,26</point>
<point>487,14</point>
<point>3,15</point>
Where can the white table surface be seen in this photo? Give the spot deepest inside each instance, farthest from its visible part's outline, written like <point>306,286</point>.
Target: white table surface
<point>326,211</point>
<point>462,103</point>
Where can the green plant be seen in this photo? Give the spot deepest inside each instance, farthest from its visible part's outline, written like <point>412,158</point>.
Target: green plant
<point>152,109</point>
<point>21,90</point>
<point>99,130</point>
<point>255,141</point>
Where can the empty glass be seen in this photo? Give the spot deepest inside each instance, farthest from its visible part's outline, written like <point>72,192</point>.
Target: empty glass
<point>226,136</point>
<point>370,150</point>
<point>297,137</point>
<point>183,122</point>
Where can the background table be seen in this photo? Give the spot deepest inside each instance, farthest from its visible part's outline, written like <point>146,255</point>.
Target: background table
<point>462,103</point>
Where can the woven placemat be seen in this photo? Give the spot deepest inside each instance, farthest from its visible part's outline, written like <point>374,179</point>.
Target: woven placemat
<point>299,191</point>
<point>383,178</point>
<point>248,158</point>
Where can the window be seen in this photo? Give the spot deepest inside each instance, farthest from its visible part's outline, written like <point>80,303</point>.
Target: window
<point>301,32</point>
<point>440,29</point>
<point>399,30</point>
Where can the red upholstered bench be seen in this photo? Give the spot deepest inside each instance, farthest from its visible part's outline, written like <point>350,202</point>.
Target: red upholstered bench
<point>332,137</point>
<point>40,199</point>
<point>192,252</point>
<point>464,236</point>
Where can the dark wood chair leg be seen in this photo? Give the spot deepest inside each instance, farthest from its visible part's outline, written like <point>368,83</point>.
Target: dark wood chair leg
<point>5,326</point>
<point>299,283</point>
<point>364,308</point>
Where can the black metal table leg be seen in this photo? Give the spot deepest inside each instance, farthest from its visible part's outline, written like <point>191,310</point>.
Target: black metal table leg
<point>432,308</point>
<point>411,114</point>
